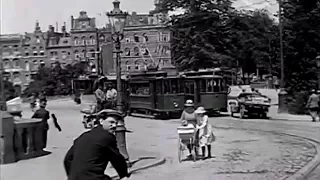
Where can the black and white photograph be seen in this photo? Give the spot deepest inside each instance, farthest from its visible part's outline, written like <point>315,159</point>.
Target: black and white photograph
<point>160,90</point>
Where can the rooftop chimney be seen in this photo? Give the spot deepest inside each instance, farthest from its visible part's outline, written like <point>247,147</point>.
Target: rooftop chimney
<point>72,19</point>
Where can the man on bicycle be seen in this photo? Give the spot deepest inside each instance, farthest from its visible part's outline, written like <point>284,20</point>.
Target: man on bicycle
<point>91,152</point>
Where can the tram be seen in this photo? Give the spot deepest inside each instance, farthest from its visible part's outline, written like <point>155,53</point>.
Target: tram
<point>85,87</point>
<point>162,94</point>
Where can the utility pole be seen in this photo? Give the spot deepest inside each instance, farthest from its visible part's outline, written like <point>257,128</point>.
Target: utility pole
<point>283,108</point>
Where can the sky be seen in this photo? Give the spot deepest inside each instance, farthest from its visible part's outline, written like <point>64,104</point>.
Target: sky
<point>19,16</point>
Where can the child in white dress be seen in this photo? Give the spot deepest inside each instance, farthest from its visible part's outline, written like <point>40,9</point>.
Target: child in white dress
<point>206,136</point>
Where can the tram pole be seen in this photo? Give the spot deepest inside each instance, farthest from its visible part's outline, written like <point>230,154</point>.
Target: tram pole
<point>117,20</point>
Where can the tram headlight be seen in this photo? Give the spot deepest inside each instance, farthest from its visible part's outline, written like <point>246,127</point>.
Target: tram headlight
<point>176,105</point>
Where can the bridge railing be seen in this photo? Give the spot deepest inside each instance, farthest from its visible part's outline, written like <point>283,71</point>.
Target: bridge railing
<point>20,139</point>
<point>28,138</point>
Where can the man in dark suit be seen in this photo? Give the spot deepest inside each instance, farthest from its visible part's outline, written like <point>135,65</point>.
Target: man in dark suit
<point>44,115</point>
<point>91,152</point>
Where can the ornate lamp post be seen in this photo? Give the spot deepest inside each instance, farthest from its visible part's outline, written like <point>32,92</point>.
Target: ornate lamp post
<point>117,20</point>
<point>318,66</point>
<point>283,108</point>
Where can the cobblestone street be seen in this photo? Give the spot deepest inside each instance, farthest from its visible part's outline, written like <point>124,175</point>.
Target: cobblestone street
<point>238,154</point>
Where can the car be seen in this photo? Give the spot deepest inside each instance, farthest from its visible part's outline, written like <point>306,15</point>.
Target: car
<point>250,103</point>
<point>14,107</point>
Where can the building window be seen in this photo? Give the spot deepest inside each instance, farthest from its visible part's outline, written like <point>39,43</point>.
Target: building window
<point>83,42</point>
<point>35,53</point>
<point>127,51</point>
<point>16,76</point>
<point>127,40</point>
<point>76,55</point>
<point>6,64</point>
<point>26,53</point>
<point>136,38</point>
<point>145,37</point>
<point>5,46</point>
<point>35,65</point>
<point>27,66</point>
<point>41,53</point>
<point>28,77</point>
<point>34,48</point>
<point>65,42</point>
<point>92,40</point>
<point>41,48</point>
<point>136,51</point>
<point>144,51</point>
<point>76,41</point>
<point>16,63</point>
<point>165,50</point>
<point>93,53</point>
<point>16,46</point>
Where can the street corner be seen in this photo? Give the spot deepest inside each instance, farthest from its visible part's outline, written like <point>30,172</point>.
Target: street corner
<point>140,160</point>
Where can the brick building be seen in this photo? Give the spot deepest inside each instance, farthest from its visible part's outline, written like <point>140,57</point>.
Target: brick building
<point>59,46</point>
<point>22,55</point>
<point>146,41</point>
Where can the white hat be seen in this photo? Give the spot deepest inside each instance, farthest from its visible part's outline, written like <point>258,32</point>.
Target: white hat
<point>189,103</point>
<point>200,110</point>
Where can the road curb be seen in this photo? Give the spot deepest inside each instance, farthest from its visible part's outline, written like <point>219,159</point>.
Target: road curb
<point>303,172</point>
<point>157,162</point>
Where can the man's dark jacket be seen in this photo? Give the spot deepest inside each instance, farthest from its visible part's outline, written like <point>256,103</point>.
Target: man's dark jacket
<point>90,154</point>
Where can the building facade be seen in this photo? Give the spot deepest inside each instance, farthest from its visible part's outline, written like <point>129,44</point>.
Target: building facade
<point>11,48</point>
<point>59,47</point>
<point>146,42</point>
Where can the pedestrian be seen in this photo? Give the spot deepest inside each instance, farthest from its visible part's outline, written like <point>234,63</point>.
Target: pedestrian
<point>91,152</point>
<point>44,115</point>
<point>206,136</point>
<point>100,97</point>
<point>188,117</point>
<point>42,96</point>
<point>313,105</point>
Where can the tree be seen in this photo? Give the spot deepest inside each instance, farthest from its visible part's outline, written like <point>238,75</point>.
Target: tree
<point>195,43</point>
<point>54,81</point>
<point>301,46</point>
<point>9,91</point>
<point>213,34</point>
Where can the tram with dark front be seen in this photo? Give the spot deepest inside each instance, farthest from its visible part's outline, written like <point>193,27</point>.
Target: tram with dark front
<point>162,94</point>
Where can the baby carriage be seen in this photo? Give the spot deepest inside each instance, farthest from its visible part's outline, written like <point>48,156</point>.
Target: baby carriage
<point>187,137</point>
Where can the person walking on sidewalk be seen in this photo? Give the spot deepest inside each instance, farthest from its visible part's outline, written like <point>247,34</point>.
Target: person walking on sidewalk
<point>88,157</point>
<point>44,115</point>
<point>313,105</point>
<point>206,136</point>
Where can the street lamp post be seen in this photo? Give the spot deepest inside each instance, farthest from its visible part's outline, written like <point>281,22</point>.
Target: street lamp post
<point>98,52</point>
<point>117,20</point>
<point>318,70</point>
<point>283,108</point>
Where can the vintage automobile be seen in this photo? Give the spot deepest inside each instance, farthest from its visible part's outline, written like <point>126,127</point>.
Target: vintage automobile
<point>250,103</point>
<point>14,107</point>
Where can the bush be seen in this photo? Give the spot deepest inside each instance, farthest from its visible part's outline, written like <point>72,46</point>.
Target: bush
<point>297,102</point>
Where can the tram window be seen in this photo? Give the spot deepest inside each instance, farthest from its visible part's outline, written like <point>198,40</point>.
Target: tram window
<point>140,89</point>
<point>166,87</point>
<point>158,87</point>
<point>189,87</point>
<point>203,87</point>
<point>210,84</point>
<point>174,86</point>
<point>216,85</point>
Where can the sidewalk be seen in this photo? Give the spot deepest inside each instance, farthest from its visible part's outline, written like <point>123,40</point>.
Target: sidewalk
<point>274,115</point>
<point>50,167</point>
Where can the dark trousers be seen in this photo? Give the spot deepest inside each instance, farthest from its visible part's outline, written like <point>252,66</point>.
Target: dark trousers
<point>45,135</point>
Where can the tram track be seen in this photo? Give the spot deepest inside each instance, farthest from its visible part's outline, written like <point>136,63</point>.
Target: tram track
<point>304,172</point>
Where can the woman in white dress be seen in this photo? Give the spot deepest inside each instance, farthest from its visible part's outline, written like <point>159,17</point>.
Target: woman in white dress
<point>206,136</point>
